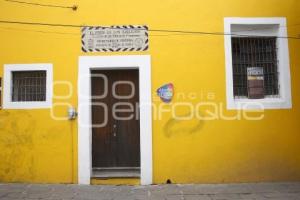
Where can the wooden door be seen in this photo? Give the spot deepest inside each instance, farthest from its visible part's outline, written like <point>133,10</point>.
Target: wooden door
<point>116,143</point>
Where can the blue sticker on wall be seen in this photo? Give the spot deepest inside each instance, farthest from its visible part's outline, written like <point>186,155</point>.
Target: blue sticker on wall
<point>166,92</point>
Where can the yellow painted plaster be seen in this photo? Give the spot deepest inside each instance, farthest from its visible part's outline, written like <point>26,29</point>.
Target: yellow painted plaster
<point>36,148</point>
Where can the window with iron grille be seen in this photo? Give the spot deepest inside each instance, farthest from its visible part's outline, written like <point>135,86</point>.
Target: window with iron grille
<point>257,63</point>
<point>250,53</point>
<point>28,86</point>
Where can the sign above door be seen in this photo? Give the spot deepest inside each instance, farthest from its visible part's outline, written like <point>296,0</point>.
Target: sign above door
<point>114,38</point>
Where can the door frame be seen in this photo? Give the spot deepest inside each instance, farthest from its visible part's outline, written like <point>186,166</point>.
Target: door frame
<point>88,63</point>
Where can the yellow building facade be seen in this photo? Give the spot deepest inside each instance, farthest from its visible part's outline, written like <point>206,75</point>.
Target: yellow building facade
<point>41,146</point>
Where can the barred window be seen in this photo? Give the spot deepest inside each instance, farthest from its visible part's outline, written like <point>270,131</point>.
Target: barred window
<point>258,56</point>
<point>28,86</point>
<point>257,63</point>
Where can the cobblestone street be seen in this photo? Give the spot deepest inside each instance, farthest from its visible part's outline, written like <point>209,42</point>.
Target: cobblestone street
<point>260,191</point>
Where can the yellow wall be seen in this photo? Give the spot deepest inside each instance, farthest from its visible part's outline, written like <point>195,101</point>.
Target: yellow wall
<point>35,148</point>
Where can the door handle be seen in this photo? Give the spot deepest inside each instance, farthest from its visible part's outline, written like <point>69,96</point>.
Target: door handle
<point>114,130</point>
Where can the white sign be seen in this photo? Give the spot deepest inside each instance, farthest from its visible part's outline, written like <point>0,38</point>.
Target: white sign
<point>115,38</point>
<point>255,73</point>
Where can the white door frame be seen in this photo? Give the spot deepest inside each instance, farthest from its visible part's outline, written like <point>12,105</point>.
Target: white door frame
<point>86,64</point>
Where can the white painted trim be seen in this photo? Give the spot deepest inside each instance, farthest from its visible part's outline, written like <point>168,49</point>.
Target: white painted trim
<point>279,29</point>
<point>86,63</point>
<point>7,85</point>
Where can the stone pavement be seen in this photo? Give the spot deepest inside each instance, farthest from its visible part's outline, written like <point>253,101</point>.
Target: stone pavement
<point>261,191</point>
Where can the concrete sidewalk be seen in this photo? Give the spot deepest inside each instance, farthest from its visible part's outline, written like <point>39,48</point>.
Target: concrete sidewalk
<point>261,191</point>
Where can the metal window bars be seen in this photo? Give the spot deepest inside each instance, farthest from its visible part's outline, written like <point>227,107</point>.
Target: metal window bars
<point>28,86</point>
<point>254,52</point>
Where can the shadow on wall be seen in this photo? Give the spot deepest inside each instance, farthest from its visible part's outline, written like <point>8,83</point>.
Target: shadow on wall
<point>182,124</point>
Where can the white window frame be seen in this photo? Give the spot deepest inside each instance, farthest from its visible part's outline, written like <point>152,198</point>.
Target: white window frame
<point>7,86</point>
<point>275,26</point>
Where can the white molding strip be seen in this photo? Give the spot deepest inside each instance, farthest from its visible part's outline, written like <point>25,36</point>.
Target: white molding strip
<point>86,64</point>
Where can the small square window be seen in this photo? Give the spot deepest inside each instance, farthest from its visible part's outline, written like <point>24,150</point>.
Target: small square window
<point>28,86</point>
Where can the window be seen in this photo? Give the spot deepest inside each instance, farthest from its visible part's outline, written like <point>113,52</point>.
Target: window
<point>257,63</point>
<point>27,86</point>
<point>256,53</point>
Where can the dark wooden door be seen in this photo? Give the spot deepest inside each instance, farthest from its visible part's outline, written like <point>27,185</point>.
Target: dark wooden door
<point>116,129</point>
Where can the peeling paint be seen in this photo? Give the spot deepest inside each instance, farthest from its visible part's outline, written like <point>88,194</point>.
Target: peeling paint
<point>17,146</point>
<point>29,148</point>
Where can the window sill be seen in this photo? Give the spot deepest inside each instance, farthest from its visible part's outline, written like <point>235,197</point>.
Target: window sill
<point>259,104</point>
<point>27,105</point>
